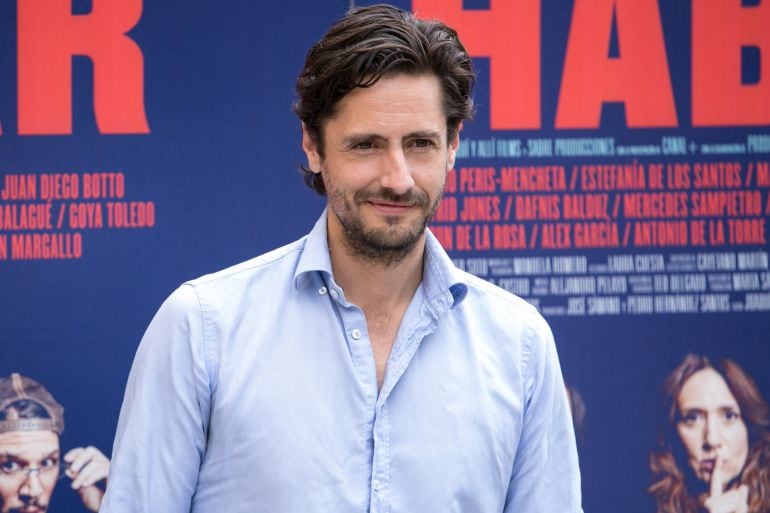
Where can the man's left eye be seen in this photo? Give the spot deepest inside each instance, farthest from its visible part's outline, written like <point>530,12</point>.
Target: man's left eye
<point>49,462</point>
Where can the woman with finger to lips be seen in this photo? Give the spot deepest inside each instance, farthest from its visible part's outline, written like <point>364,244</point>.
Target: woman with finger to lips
<point>714,451</point>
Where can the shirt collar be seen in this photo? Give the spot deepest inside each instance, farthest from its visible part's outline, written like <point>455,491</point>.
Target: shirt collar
<point>442,282</point>
<point>315,255</point>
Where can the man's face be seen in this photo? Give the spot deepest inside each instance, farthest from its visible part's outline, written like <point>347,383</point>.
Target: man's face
<point>29,468</point>
<point>386,156</point>
<point>711,427</point>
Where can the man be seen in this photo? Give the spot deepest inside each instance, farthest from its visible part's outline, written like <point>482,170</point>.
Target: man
<point>356,369</point>
<point>31,422</point>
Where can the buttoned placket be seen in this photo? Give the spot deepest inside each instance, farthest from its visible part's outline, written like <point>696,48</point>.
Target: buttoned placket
<point>418,322</point>
<point>353,324</point>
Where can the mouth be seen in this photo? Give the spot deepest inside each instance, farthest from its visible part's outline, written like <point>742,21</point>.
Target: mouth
<point>390,207</point>
<point>707,465</point>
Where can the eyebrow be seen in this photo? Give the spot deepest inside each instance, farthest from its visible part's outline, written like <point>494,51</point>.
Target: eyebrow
<point>354,139</point>
<point>12,456</point>
<point>724,407</point>
<point>9,456</point>
<point>424,134</point>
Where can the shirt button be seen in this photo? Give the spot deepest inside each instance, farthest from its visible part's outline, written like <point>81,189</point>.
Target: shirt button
<point>322,291</point>
<point>356,334</point>
<point>376,485</point>
<point>334,294</point>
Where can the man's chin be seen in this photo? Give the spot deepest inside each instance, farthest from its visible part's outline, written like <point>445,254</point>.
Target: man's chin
<point>383,246</point>
<point>393,238</point>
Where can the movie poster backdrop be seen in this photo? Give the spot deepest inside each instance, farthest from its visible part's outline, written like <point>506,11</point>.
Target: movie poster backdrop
<point>616,176</point>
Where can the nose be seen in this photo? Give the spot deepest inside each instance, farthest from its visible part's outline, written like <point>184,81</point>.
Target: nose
<point>31,489</point>
<point>396,173</point>
<point>712,435</point>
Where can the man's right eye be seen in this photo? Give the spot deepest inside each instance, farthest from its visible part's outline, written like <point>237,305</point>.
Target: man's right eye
<point>364,145</point>
<point>9,467</point>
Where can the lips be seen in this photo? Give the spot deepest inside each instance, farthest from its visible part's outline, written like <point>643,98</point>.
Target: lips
<point>707,465</point>
<point>386,197</point>
<point>389,207</point>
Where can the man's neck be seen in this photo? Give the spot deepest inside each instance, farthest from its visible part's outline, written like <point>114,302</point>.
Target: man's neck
<point>382,288</point>
<point>376,284</point>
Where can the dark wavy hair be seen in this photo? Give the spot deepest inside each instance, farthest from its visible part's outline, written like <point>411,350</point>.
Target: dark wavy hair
<point>373,42</point>
<point>671,474</point>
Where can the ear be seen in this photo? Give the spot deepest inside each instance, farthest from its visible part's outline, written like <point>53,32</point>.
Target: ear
<point>454,143</point>
<point>310,147</point>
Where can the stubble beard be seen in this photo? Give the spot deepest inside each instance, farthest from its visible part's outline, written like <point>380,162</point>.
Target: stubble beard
<point>382,246</point>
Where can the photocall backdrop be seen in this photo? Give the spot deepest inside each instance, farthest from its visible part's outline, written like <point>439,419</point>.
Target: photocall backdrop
<point>617,176</point>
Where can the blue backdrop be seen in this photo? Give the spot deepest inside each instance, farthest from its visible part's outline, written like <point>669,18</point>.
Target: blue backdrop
<point>218,168</point>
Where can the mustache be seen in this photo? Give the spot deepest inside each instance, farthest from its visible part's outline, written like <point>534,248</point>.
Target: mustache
<point>410,197</point>
<point>36,505</point>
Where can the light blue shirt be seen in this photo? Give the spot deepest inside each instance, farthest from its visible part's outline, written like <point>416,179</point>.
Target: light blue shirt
<point>254,390</point>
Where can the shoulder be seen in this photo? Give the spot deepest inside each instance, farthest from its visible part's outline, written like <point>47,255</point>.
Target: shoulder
<point>284,257</point>
<point>229,289</point>
<point>251,275</point>
<point>491,292</point>
<point>506,320</point>
<point>485,296</point>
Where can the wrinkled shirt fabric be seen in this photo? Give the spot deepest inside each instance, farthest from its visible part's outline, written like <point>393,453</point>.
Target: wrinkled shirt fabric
<point>254,390</point>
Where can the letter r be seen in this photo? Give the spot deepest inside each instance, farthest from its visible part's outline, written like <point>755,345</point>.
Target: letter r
<point>49,35</point>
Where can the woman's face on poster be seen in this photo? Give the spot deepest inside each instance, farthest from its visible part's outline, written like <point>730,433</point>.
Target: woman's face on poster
<point>711,427</point>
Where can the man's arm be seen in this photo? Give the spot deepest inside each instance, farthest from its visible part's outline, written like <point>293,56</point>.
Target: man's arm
<point>546,476</point>
<point>160,440</point>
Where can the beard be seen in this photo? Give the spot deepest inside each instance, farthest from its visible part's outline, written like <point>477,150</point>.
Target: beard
<point>392,243</point>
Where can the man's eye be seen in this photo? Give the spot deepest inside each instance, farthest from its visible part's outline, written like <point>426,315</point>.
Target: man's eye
<point>364,145</point>
<point>423,143</point>
<point>9,467</point>
<point>49,462</point>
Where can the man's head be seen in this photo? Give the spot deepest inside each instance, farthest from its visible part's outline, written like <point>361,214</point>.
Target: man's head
<point>31,422</point>
<point>371,43</point>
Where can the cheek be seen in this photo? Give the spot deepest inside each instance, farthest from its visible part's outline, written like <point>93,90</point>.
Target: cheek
<point>432,183</point>
<point>8,491</point>
<point>739,440</point>
<point>49,483</point>
<point>691,441</point>
<point>344,178</point>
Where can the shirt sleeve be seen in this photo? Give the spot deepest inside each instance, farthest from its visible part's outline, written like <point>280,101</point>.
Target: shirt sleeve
<point>160,440</point>
<point>546,475</point>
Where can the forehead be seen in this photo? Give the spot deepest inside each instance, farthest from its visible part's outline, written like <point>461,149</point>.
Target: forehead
<point>29,445</point>
<point>706,389</point>
<point>392,101</point>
